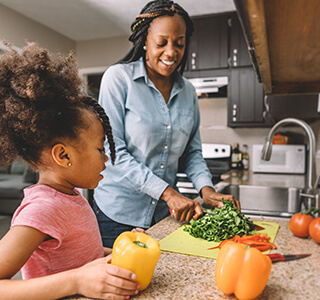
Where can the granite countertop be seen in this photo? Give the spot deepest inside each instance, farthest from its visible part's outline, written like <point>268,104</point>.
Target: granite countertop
<point>247,177</point>
<point>179,276</point>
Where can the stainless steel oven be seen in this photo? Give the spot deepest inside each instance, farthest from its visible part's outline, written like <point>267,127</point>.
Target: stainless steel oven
<point>218,159</point>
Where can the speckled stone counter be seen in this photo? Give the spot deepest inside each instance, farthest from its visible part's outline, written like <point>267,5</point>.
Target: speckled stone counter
<point>263,179</point>
<point>179,276</point>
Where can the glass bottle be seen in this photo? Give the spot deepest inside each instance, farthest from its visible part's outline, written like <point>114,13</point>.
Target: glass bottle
<point>240,164</point>
<point>245,158</point>
<point>235,156</point>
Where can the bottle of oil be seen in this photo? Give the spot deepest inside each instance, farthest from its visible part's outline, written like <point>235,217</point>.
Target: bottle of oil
<point>240,164</point>
<point>235,156</point>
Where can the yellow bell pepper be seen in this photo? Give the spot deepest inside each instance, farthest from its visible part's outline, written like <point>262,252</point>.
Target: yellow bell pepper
<point>243,272</point>
<point>137,252</point>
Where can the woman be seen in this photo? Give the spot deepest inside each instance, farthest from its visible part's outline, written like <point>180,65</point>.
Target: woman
<point>155,118</point>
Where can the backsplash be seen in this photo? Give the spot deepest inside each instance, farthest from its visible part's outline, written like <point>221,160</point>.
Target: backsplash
<point>214,129</point>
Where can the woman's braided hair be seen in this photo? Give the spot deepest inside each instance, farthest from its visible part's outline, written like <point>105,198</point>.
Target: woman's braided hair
<point>42,98</point>
<point>140,26</point>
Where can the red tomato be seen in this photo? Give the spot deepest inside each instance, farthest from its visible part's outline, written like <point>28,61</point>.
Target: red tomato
<point>314,230</point>
<point>299,224</point>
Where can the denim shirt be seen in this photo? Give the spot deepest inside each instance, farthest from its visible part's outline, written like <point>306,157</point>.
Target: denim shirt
<point>152,139</point>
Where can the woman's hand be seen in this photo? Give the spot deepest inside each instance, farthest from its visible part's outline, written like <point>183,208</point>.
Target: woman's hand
<point>212,198</point>
<point>184,208</point>
<point>100,279</point>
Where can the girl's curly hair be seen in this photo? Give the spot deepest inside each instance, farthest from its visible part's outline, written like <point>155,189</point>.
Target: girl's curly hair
<point>41,100</point>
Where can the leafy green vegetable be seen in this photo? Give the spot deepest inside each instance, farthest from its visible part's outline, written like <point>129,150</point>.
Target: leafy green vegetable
<point>219,224</point>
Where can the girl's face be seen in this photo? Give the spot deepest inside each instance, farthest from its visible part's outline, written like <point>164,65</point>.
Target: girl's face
<point>165,45</point>
<point>88,157</point>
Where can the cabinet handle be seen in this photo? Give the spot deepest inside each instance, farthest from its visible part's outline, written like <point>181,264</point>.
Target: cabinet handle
<point>267,107</point>
<point>234,113</point>
<point>235,57</point>
<point>193,60</point>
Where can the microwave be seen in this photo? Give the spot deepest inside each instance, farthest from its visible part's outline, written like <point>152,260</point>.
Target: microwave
<point>286,159</point>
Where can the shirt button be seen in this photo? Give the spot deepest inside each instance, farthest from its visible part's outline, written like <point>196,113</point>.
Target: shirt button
<point>162,166</point>
<point>165,147</point>
<point>168,126</point>
<point>153,202</point>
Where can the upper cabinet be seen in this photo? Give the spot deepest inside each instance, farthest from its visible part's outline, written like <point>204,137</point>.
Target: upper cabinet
<point>218,43</point>
<point>283,37</point>
<point>209,45</point>
<point>238,49</point>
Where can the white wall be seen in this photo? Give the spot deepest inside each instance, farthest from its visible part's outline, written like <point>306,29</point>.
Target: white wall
<point>104,52</point>
<point>17,29</point>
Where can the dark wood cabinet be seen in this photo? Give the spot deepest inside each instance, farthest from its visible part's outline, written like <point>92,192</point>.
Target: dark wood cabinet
<point>305,107</point>
<point>218,48</point>
<point>238,49</point>
<point>245,100</point>
<point>209,45</point>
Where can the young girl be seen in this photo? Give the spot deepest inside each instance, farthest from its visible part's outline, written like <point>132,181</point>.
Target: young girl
<point>48,120</point>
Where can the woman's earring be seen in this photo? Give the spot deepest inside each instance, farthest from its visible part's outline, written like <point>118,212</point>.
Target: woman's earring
<point>144,48</point>
<point>69,164</point>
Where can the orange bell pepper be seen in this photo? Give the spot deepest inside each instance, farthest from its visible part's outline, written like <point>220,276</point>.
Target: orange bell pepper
<point>240,271</point>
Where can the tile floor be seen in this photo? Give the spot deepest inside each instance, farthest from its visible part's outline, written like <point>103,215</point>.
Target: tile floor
<point>5,222</point>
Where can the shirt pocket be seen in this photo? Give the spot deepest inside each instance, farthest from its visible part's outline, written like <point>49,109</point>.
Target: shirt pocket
<point>186,121</point>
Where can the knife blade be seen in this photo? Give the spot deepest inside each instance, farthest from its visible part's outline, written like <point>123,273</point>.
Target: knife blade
<point>205,211</point>
<point>277,257</point>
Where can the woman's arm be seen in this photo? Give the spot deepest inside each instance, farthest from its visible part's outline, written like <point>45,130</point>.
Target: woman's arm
<point>97,279</point>
<point>127,171</point>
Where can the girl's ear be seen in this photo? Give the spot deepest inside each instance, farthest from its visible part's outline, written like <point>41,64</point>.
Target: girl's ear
<point>60,155</point>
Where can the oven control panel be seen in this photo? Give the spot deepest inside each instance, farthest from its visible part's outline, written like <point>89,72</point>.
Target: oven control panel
<point>210,150</point>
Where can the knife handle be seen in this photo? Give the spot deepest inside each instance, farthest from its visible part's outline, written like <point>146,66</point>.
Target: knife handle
<point>275,257</point>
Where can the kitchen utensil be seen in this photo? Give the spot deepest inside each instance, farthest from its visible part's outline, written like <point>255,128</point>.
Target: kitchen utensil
<point>182,242</point>
<point>277,257</point>
<point>254,226</point>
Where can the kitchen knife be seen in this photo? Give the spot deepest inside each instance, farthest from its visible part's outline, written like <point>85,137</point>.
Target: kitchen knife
<point>205,211</point>
<point>277,257</point>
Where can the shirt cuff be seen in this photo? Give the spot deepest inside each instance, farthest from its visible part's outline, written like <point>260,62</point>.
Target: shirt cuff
<point>155,187</point>
<point>202,182</point>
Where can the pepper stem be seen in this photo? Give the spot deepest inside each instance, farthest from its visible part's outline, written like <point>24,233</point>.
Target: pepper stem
<point>140,244</point>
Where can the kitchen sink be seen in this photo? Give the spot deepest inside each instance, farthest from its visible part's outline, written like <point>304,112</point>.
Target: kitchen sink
<point>266,200</point>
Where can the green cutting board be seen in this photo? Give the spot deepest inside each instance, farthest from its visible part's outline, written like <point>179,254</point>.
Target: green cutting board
<point>182,242</point>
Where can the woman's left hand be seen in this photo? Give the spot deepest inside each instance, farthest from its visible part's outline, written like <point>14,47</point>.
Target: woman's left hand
<point>212,198</point>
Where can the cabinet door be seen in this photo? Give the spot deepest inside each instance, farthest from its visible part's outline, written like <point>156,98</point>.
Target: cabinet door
<point>209,44</point>
<point>239,54</point>
<point>245,100</point>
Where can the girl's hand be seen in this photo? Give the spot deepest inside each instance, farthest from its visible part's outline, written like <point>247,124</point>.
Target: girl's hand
<point>212,198</point>
<point>100,279</point>
<point>139,230</point>
<point>184,208</point>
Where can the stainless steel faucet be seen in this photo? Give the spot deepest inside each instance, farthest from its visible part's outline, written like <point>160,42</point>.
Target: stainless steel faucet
<point>311,190</point>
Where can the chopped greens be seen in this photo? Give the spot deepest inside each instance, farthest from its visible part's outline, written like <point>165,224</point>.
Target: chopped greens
<point>219,224</point>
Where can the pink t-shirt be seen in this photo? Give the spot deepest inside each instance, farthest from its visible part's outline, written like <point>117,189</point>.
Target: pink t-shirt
<point>71,223</point>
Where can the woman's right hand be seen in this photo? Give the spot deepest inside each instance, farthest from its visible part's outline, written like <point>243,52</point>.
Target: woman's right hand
<point>184,208</point>
<point>100,279</point>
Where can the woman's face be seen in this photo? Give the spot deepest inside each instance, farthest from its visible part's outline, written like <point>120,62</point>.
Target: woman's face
<point>165,45</point>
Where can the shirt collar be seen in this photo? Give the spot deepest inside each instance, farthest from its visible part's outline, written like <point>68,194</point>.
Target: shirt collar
<point>139,71</point>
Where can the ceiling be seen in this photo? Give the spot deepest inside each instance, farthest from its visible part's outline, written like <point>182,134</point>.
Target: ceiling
<point>82,20</point>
